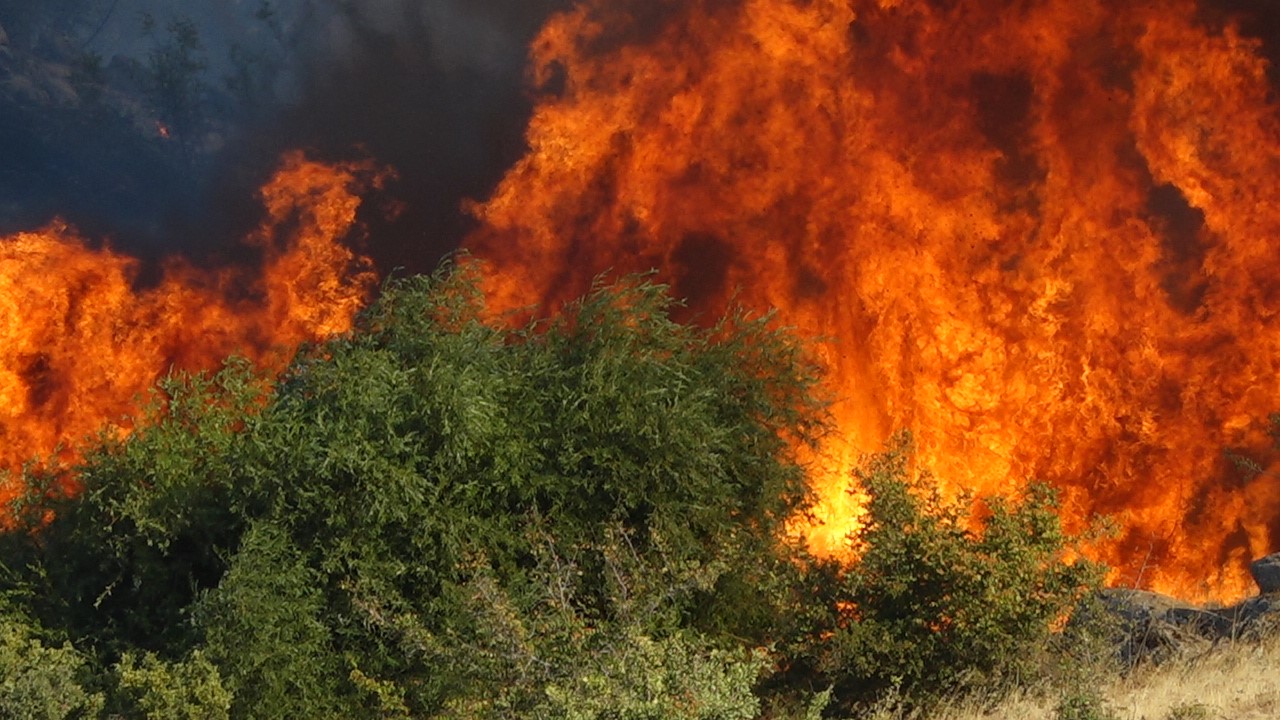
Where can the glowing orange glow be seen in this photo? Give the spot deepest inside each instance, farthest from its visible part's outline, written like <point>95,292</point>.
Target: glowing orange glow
<point>1041,235</point>
<point>80,343</point>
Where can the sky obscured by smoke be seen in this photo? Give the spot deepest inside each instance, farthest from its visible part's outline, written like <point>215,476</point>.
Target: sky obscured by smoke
<point>153,122</point>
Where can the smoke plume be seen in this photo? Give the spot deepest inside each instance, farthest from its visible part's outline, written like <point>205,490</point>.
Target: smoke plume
<point>154,123</point>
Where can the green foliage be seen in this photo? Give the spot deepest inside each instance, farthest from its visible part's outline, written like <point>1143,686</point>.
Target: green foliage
<point>263,628</point>
<point>187,690</point>
<point>533,650</point>
<point>536,650</point>
<point>157,517</point>
<point>440,512</point>
<point>670,679</point>
<point>39,682</point>
<point>1083,704</point>
<point>443,515</point>
<point>935,604</point>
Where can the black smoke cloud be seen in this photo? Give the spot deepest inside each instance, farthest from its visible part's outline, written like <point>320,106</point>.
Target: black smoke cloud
<point>89,89</point>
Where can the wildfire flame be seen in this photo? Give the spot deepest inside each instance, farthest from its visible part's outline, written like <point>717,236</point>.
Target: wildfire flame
<point>1039,234</point>
<point>82,343</point>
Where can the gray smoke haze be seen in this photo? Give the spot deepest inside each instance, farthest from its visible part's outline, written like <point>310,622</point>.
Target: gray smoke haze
<point>89,90</point>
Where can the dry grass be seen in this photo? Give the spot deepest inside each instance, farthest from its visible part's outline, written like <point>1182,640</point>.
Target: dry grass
<point>1236,682</point>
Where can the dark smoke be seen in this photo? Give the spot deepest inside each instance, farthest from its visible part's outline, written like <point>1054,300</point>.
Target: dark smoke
<point>435,89</point>
<point>88,89</point>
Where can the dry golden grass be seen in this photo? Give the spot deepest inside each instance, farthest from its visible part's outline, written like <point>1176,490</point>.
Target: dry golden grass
<point>1236,682</point>
<point>1239,682</point>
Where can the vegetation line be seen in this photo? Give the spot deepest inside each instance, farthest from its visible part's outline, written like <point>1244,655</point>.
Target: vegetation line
<point>440,515</point>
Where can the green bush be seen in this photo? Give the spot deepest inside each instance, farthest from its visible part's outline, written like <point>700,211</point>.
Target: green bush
<point>1082,704</point>
<point>159,514</point>
<point>322,541</point>
<point>265,629</point>
<point>935,604</point>
<point>190,689</point>
<point>38,682</point>
<point>443,515</point>
<point>536,651</point>
<point>669,679</point>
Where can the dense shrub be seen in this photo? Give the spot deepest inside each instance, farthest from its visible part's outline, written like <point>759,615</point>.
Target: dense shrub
<point>189,689</point>
<point>940,601</point>
<point>442,515</point>
<point>322,542</point>
<point>40,681</point>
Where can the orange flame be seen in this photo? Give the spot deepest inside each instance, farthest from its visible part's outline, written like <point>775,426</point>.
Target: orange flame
<point>80,344</point>
<point>1038,234</point>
